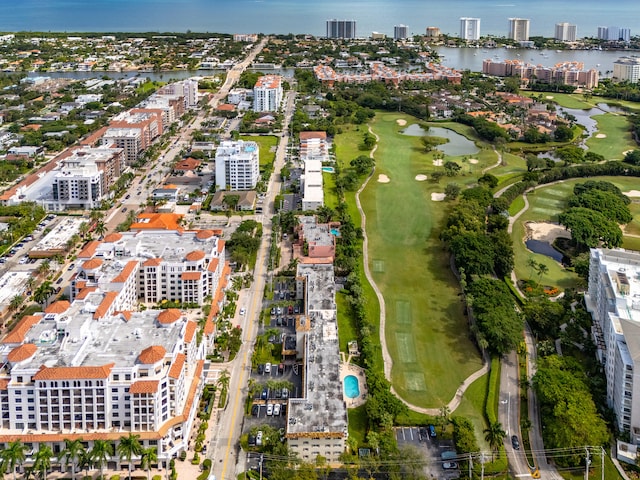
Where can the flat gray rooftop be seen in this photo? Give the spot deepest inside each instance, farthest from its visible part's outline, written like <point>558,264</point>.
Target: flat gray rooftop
<point>318,234</point>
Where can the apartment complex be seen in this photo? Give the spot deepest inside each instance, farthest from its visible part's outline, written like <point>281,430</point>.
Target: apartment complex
<point>564,73</point>
<point>318,238</point>
<point>341,29</point>
<point>317,422</point>
<point>519,29</point>
<point>311,185</point>
<point>614,34</point>
<point>267,93</point>
<point>314,146</point>
<point>85,176</point>
<point>627,69</point>
<point>237,165</point>
<point>566,32</point>
<point>130,140</point>
<point>96,369</point>
<point>613,299</point>
<point>469,28</point>
<point>185,89</point>
<point>400,32</point>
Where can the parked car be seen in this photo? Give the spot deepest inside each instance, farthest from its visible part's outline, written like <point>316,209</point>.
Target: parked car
<point>259,438</point>
<point>243,311</point>
<point>515,443</point>
<point>449,465</point>
<point>432,431</point>
<point>252,440</point>
<point>265,393</point>
<point>267,367</point>
<point>260,368</point>
<point>285,393</point>
<point>276,409</point>
<point>281,368</point>
<point>255,409</point>
<point>270,409</point>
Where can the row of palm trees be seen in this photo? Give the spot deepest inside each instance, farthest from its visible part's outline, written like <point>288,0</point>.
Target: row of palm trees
<point>76,455</point>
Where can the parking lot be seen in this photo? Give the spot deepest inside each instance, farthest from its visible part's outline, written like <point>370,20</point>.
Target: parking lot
<point>431,447</point>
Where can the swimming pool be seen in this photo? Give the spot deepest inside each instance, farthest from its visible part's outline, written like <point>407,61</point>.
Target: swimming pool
<point>351,386</point>
<point>335,232</point>
<point>328,169</point>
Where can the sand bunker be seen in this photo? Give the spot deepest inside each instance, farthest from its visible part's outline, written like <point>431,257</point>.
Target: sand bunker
<point>474,160</point>
<point>549,97</point>
<point>401,121</point>
<point>627,151</point>
<point>437,163</point>
<point>545,231</point>
<point>601,135</point>
<point>421,178</point>
<point>632,193</point>
<point>382,178</point>
<point>437,197</point>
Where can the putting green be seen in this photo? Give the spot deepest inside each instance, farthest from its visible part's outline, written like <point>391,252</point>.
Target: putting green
<point>426,331</point>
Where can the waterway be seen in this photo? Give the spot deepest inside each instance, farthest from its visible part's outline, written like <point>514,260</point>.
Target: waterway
<point>456,146</point>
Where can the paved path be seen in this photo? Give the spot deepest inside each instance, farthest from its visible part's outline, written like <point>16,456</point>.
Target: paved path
<point>495,165</point>
<point>388,361</point>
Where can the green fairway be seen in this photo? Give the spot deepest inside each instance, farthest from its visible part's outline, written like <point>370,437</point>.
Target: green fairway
<point>545,204</point>
<point>426,332</point>
<point>267,144</point>
<point>617,137</point>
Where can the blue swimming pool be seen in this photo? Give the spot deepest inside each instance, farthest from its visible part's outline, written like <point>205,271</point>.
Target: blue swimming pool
<point>328,169</point>
<point>335,232</point>
<point>351,386</point>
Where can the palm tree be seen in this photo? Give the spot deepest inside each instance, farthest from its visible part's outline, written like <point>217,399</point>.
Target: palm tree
<point>101,229</point>
<point>14,455</point>
<point>223,380</point>
<point>85,462</point>
<point>96,215</point>
<point>100,453</point>
<point>42,460</point>
<point>542,270</point>
<point>494,435</point>
<point>83,229</point>
<point>44,268</point>
<point>445,411</point>
<point>16,302</point>
<point>73,452</point>
<point>148,457</point>
<point>42,292</point>
<point>31,282</point>
<point>129,447</point>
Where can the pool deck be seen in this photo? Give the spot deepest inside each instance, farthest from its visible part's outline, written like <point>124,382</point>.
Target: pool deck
<point>346,369</point>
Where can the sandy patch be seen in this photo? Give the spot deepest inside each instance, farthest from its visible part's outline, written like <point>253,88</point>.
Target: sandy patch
<point>601,135</point>
<point>421,178</point>
<point>632,193</point>
<point>401,121</point>
<point>473,160</point>
<point>382,178</point>
<point>545,231</point>
<point>437,197</point>
<point>549,97</point>
<point>437,163</point>
<point>627,151</point>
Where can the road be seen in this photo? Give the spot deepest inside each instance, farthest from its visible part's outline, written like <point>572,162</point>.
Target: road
<point>225,445</point>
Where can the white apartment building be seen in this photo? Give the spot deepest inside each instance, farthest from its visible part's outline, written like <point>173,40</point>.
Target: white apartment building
<point>237,165</point>
<point>627,69</point>
<point>341,29</point>
<point>87,371</point>
<point>186,88</point>
<point>129,139</point>
<point>614,34</point>
<point>84,178</point>
<point>469,29</point>
<point>613,300</point>
<point>314,146</point>
<point>400,32</point>
<point>519,29</point>
<point>267,93</point>
<point>317,422</point>
<point>151,266</point>
<point>311,185</point>
<point>566,32</point>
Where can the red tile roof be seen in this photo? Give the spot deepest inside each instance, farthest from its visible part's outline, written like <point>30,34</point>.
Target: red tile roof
<point>153,262</point>
<point>170,315</point>
<point>144,386</point>
<point>113,237</point>
<point>105,305</point>
<point>189,331</point>
<point>73,373</point>
<point>309,135</point>
<point>89,249</point>
<point>92,264</point>
<point>60,306</point>
<point>157,221</point>
<point>213,264</point>
<point>126,272</point>
<point>84,293</point>
<point>187,164</point>
<point>204,234</point>
<point>221,245</point>
<point>152,354</point>
<point>191,276</point>
<point>20,330</point>
<point>195,256</point>
<point>178,364</point>
<point>4,384</point>
<point>24,351</point>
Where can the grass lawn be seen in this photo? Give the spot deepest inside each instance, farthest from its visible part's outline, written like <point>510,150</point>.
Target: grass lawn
<point>426,333</point>
<point>358,423</point>
<point>545,205</point>
<point>618,137</point>
<point>516,206</point>
<point>472,406</point>
<point>346,326</point>
<point>267,144</point>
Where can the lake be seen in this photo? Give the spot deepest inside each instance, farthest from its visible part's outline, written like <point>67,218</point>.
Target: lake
<point>458,144</point>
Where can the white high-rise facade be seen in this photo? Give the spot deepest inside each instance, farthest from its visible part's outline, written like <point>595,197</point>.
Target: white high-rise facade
<point>237,165</point>
<point>267,93</point>
<point>627,69</point>
<point>519,29</point>
<point>566,32</point>
<point>614,34</point>
<point>469,28</point>
<point>400,32</point>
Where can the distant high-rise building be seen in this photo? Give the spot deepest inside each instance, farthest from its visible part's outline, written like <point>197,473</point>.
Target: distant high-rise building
<point>565,32</point>
<point>433,32</point>
<point>267,93</point>
<point>400,32</point>
<point>627,69</point>
<point>341,28</point>
<point>519,29</point>
<point>614,34</point>
<point>469,28</point>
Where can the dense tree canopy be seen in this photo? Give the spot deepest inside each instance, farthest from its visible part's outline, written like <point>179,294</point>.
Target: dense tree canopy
<point>589,227</point>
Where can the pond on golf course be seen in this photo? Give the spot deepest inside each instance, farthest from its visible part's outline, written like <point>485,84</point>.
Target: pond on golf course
<point>456,146</point>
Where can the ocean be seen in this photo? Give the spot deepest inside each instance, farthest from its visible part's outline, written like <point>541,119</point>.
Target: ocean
<point>304,16</point>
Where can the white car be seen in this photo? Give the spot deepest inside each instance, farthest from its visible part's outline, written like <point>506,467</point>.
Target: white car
<point>267,367</point>
<point>276,409</point>
<point>243,311</point>
<point>270,409</point>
